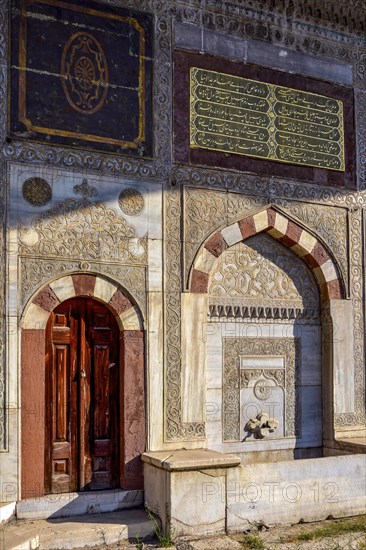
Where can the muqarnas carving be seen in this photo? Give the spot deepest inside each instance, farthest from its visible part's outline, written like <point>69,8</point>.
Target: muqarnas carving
<point>81,75</point>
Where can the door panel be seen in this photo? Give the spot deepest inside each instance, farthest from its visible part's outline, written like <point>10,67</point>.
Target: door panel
<point>104,387</point>
<point>61,391</point>
<point>82,382</point>
<point>62,458</point>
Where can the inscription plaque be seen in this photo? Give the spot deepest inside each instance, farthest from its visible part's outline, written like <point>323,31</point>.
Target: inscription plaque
<point>237,115</point>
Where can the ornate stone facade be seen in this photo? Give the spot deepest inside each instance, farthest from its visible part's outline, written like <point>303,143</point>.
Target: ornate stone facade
<point>71,234</point>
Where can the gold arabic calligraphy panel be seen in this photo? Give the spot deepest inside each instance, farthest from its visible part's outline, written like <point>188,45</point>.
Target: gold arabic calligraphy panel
<point>257,119</point>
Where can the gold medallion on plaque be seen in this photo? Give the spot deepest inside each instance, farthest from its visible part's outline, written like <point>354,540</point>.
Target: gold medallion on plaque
<point>84,73</point>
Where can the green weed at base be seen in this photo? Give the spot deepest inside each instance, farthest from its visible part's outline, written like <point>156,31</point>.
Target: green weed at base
<point>253,541</point>
<point>139,543</point>
<point>164,540</point>
<point>334,529</point>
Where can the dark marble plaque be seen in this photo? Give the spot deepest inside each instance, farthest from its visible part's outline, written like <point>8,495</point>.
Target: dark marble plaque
<point>81,75</point>
<point>277,124</point>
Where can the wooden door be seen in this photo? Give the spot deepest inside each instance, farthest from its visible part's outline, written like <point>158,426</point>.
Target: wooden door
<point>82,398</point>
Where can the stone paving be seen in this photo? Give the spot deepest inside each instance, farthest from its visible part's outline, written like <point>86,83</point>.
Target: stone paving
<point>278,538</point>
<point>110,531</point>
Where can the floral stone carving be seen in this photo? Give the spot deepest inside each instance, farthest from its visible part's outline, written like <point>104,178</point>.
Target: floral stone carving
<point>79,228</point>
<point>131,202</point>
<point>262,272</point>
<point>236,378</point>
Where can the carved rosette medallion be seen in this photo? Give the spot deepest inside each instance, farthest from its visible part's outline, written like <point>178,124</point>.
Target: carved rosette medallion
<point>37,191</point>
<point>84,72</point>
<point>262,390</point>
<point>131,202</point>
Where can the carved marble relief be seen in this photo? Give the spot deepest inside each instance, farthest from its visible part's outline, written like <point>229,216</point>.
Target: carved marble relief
<point>327,222</point>
<point>262,272</point>
<point>175,427</point>
<point>80,228</point>
<point>131,202</point>
<point>338,15</point>
<point>236,378</point>
<point>37,191</point>
<point>356,218</point>
<point>90,232</point>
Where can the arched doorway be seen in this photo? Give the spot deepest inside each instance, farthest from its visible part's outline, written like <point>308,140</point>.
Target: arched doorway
<point>104,324</point>
<point>82,398</point>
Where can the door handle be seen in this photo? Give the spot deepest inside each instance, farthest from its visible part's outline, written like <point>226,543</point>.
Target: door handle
<point>82,373</point>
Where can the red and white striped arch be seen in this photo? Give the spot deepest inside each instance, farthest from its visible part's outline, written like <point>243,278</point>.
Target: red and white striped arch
<point>71,286</point>
<point>281,228</point>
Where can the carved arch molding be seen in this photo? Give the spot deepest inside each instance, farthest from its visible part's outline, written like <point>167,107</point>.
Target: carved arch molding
<point>127,313</point>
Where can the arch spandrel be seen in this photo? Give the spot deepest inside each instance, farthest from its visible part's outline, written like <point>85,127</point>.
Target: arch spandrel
<point>293,236</point>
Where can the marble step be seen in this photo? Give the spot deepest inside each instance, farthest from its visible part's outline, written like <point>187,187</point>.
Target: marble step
<point>92,530</point>
<point>7,512</point>
<point>65,505</point>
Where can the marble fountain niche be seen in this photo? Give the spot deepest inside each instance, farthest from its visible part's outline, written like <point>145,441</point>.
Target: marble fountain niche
<point>264,395</point>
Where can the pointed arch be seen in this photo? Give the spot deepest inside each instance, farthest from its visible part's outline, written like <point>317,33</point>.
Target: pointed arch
<point>37,312</point>
<point>292,235</point>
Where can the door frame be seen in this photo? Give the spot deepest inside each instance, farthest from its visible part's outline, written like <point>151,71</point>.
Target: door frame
<point>77,449</point>
<point>132,380</point>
